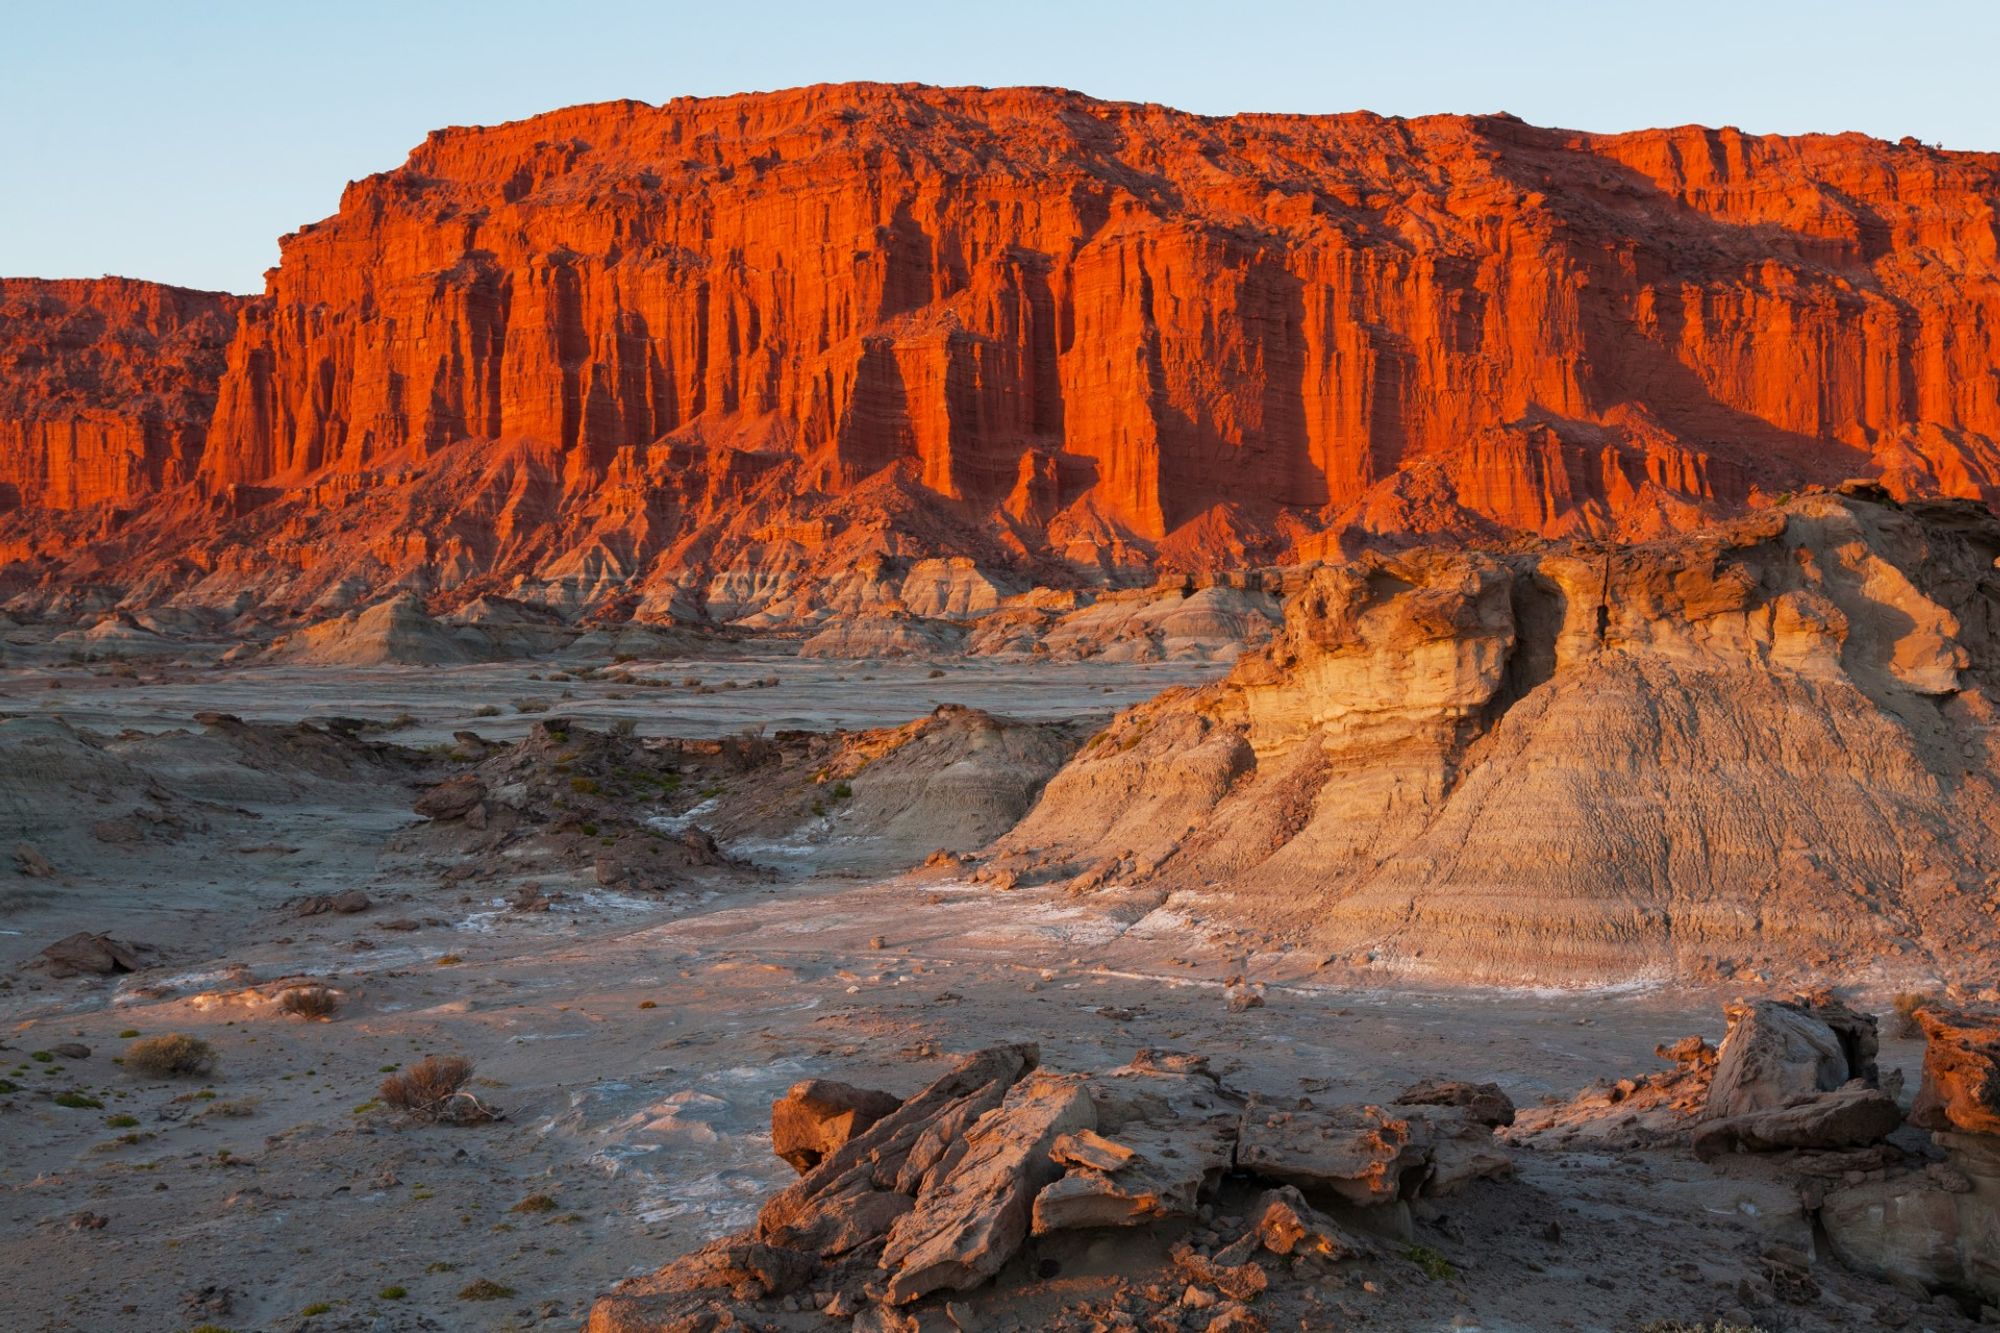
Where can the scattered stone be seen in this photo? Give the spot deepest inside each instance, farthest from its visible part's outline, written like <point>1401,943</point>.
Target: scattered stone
<point>1244,996</point>
<point>453,799</point>
<point>1284,1223</point>
<point>31,862</point>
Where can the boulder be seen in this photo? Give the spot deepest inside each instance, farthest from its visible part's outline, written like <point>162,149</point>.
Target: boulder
<point>1938,1228</point>
<point>452,799</point>
<point>1363,1154</point>
<point>1483,1102</point>
<point>1850,1117</point>
<point>818,1115</point>
<point>86,954</point>
<point>1961,1087</point>
<point>1778,1051</point>
<point>969,1223</point>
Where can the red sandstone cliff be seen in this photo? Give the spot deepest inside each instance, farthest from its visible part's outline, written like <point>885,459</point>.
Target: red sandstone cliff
<point>677,347</point>
<point>106,387</point>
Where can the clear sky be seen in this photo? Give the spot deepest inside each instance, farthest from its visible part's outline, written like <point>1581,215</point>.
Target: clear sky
<point>177,139</point>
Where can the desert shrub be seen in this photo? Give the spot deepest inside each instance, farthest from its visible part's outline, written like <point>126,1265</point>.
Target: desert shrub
<point>121,1121</point>
<point>583,786</point>
<point>433,1090</point>
<point>531,705</point>
<point>485,1289</point>
<point>79,1101</point>
<point>393,1293</point>
<point>624,726</point>
<point>1435,1266</point>
<point>486,710</point>
<point>309,1002</point>
<point>536,1203</point>
<point>1907,1004</point>
<point>171,1055</point>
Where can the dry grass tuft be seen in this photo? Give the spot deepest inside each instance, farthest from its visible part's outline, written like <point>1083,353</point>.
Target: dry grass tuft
<point>316,1002</point>
<point>1907,1005</point>
<point>171,1055</point>
<point>433,1090</point>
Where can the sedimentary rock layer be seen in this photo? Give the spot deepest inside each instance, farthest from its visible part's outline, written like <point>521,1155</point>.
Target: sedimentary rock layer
<point>671,345</point>
<point>106,388</point>
<point>1767,749</point>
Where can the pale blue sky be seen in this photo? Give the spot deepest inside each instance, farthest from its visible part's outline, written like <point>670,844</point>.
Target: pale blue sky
<point>176,139</point>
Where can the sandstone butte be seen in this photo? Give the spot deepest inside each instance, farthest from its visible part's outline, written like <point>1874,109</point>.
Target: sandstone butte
<point>698,358</point>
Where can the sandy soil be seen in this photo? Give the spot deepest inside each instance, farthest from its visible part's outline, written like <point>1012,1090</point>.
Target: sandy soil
<point>635,1042</point>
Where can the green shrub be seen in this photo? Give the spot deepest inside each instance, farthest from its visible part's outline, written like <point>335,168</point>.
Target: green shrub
<point>1434,1265</point>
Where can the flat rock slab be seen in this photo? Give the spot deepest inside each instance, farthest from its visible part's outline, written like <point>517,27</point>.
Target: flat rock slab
<point>1360,1153</point>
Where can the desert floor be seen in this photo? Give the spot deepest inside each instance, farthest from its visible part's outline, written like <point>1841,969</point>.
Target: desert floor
<point>635,1042</point>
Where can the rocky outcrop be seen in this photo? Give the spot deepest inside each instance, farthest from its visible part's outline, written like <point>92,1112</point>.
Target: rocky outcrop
<point>1763,749</point>
<point>1937,1222</point>
<point>939,1195</point>
<point>1961,1088</point>
<point>737,350</point>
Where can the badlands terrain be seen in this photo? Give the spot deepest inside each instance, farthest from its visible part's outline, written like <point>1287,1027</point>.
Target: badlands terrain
<point>884,708</point>
<point>1180,929</point>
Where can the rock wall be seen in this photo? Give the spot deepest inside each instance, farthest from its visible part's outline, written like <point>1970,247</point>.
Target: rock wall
<point>1764,750</point>
<point>106,387</point>
<point>1098,335</point>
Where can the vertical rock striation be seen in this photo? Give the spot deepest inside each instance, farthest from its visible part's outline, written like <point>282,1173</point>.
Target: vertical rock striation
<point>1095,334</point>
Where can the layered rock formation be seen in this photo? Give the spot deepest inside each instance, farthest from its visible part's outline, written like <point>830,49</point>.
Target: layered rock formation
<point>1767,748</point>
<point>726,350</point>
<point>106,389</point>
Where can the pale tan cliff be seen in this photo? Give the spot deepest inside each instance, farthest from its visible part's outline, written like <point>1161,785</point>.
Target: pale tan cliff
<point>1766,747</point>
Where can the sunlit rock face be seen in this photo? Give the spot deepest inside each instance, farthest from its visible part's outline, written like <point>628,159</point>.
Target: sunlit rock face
<point>1763,750</point>
<point>753,340</point>
<point>106,387</point>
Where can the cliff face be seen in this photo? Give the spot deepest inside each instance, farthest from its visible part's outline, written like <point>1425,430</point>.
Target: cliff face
<point>1765,748</point>
<point>1100,334</point>
<point>106,387</point>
